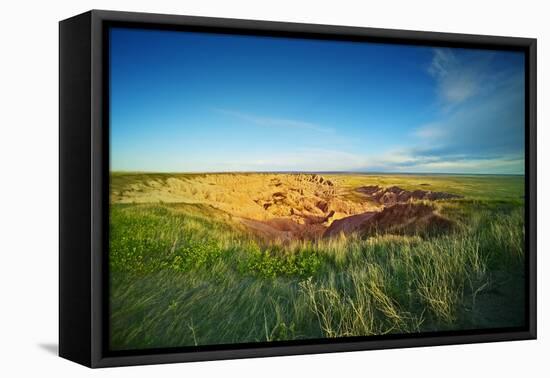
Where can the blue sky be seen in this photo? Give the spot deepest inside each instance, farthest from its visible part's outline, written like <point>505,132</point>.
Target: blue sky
<point>195,102</point>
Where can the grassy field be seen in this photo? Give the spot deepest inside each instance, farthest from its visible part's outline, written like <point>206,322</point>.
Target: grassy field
<point>187,272</point>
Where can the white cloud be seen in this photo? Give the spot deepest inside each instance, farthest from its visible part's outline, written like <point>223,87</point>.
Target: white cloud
<point>431,131</point>
<point>409,160</point>
<point>276,122</point>
<point>510,165</point>
<point>301,160</point>
<point>493,124</point>
<point>457,80</point>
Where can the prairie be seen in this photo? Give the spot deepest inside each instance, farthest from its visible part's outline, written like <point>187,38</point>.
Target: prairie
<point>203,259</point>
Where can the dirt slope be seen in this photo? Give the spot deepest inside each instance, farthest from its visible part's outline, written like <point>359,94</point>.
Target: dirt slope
<point>292,206</point>
<point>271,205</point>
<point>405,219</point>
<point>394,194</point>
<point>348,225</point>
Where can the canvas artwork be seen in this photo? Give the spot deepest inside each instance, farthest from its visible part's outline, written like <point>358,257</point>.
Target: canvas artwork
<point>270,189</point>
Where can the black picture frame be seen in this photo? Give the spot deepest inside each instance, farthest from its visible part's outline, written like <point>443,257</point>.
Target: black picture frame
<point>84,186</point>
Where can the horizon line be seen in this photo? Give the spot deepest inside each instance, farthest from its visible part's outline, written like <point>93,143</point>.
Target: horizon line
<point>317,172</point>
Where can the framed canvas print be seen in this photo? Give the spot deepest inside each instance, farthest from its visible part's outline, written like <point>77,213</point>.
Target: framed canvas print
<point>234,188</point>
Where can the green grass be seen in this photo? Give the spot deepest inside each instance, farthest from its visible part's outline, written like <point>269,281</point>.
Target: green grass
<point>187,275</point>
